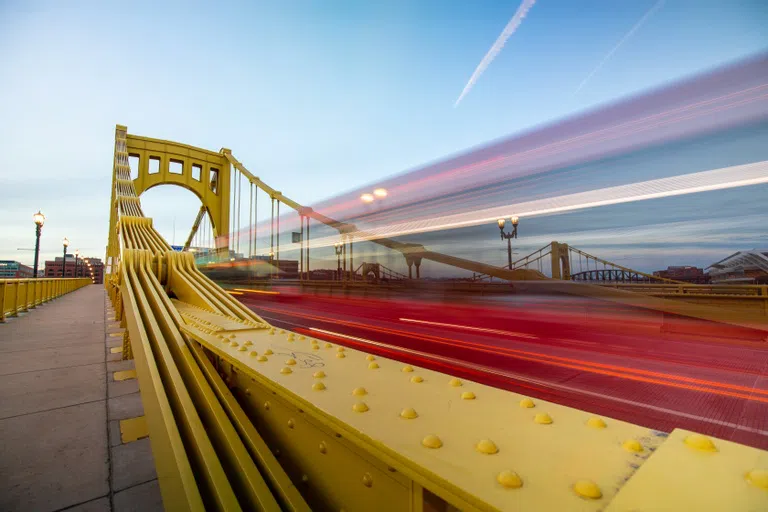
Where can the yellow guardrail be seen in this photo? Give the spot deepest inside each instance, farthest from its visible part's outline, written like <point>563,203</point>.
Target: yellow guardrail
<point>737,290</point>
<point>244,416</point>
<point>19,295</point>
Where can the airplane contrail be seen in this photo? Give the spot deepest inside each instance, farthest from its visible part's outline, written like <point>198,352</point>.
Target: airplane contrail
<point>634,29</point>
<point>510,29</point>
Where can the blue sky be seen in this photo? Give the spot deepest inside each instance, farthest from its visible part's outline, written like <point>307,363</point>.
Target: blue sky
<point>315,97</point>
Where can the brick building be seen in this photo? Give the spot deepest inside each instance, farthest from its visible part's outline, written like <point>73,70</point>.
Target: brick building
<point>86,267</point>
<point>686,274</point>
<point>10,269</point>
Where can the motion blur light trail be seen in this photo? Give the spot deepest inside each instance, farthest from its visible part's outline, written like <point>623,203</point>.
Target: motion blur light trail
<point>709,384</point>
<point>580,364</point>
<point>716,179</point>
<point>502,178</point>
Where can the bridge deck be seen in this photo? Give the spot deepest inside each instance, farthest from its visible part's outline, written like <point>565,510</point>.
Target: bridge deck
<point>60,412</point>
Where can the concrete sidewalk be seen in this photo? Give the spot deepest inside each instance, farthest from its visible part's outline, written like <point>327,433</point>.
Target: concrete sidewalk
<point>61,410</point>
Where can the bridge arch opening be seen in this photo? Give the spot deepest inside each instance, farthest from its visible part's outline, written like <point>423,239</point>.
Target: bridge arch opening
<point>173,208</point>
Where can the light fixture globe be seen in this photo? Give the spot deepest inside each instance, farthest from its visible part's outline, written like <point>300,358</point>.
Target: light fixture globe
<point>515,220</point>
<point>380,192</point>
<point>65,242</point>
<point>367,198</point>
<point>501,223</point>
<point>39,218</point>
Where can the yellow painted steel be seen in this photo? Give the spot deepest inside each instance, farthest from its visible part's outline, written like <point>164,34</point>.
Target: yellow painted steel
<point>212,166</point>
<point>20,295</point>
<point>202,461</point>
<point>693,472</point>
<point>244,416</point>
<point>363,415</point>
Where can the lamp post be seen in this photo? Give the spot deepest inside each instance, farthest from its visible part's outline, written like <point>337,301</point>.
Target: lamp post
<point>39,220</point>
<point>65,243</point>
<point>509,236</point>
<point>339,248</point>
<point>77,255</point>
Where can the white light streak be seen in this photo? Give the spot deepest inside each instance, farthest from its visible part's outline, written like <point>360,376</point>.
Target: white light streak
<point>716,179</point>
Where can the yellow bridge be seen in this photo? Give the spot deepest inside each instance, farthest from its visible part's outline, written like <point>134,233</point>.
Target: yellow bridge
<point>242,415</point>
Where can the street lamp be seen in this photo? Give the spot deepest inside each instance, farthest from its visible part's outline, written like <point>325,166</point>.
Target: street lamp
<point>39,220</point>
<point>339,248</point>
<point>509,236</point>
<point>64,242</point>
<point>77,255</point>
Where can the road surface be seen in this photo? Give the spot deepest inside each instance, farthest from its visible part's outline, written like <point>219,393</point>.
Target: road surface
<point>585,355</point>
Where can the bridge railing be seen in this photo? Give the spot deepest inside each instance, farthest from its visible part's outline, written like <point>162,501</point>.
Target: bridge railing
<point>19,295</point>
<point>758,291</point>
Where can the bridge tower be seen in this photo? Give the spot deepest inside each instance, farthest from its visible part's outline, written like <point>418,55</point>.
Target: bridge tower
<point>160,162</point>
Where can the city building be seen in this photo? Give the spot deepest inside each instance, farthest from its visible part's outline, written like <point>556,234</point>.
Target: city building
<point>84,267</point>
<point>743,267</point>
<point>10,269</point>
<point>686,274</point>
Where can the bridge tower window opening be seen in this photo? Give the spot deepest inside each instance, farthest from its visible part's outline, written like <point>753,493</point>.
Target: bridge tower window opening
<point>133,163</point>
<point>213,180</point>
<point>176,167</point>
<point>197,171</point>
<point>154,165</point>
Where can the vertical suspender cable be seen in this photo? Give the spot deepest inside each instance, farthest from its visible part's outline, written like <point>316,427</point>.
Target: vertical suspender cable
<point>239,200</point>
<point>231,242</point>
<point>272,231</point>
<point>250,223</point>
<point>301,247</point>
<point>278,237</point>
<point>307,248</point>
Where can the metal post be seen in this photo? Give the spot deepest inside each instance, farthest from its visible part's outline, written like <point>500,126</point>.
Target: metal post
<point>509,252</point>
<point>344,259</point>
<point>76,256</point>
<point>351,260</point>
<point>38,229</point>
<point>64,262</point>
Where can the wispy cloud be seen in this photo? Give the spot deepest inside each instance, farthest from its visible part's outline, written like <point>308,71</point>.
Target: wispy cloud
<point>655,7</point>
<point>510,29</point>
